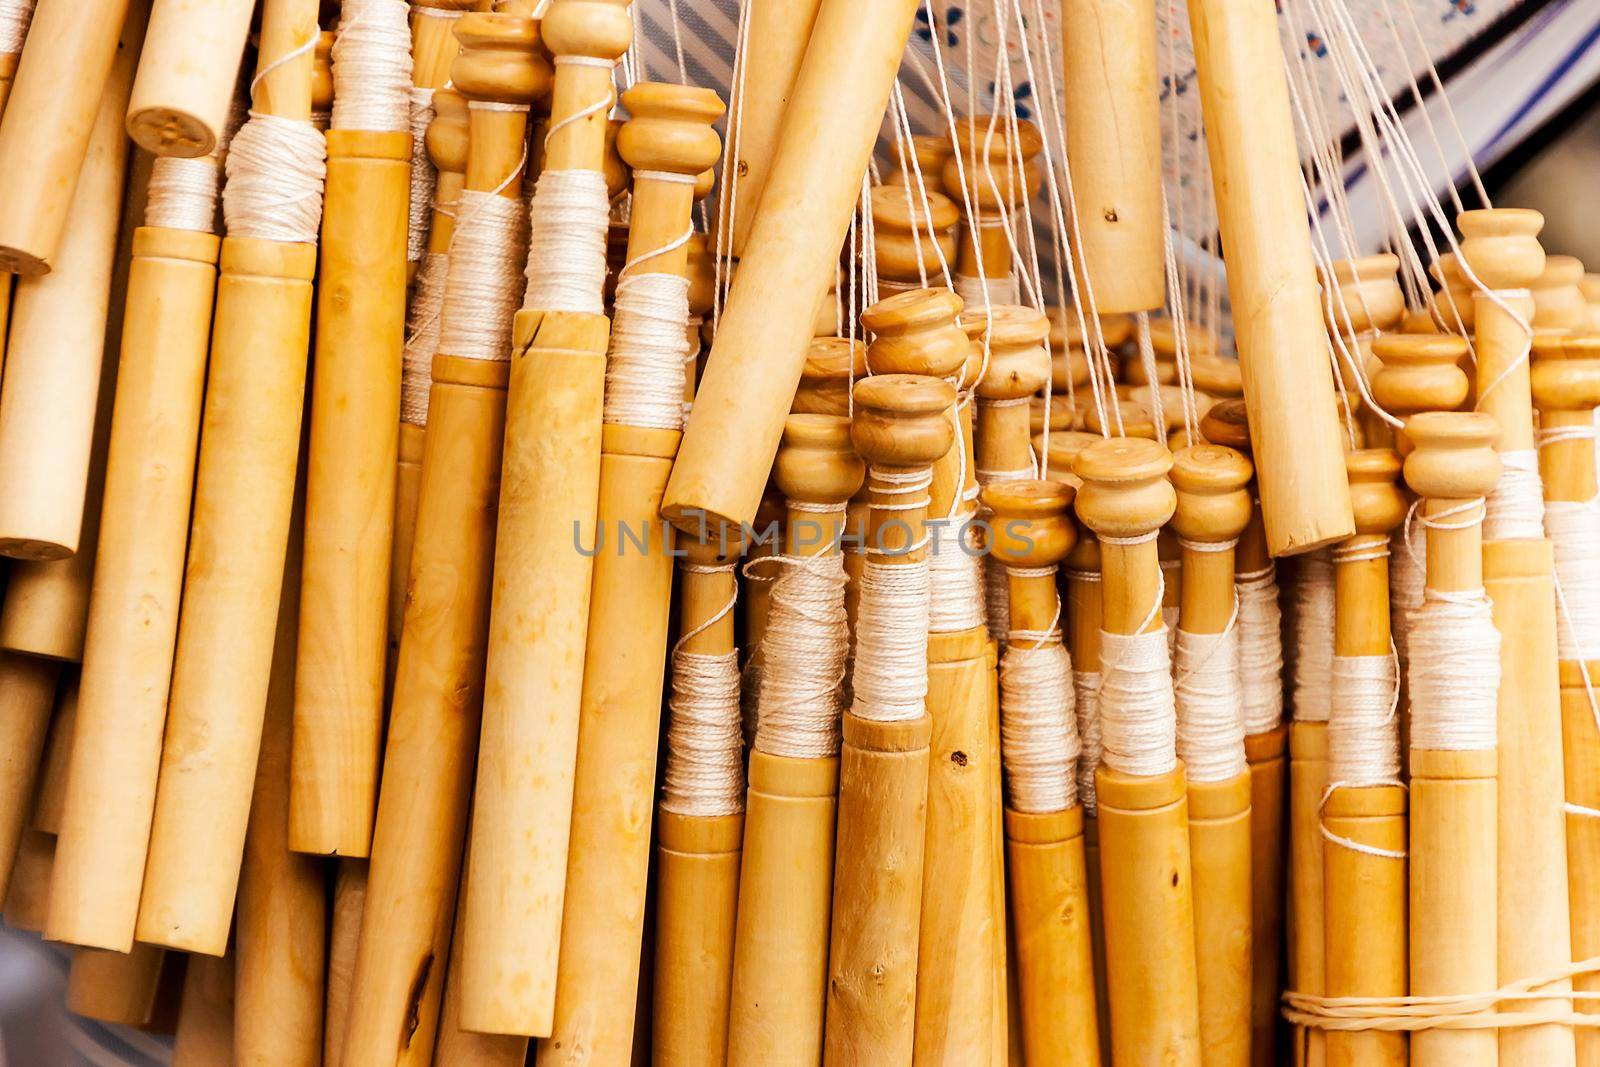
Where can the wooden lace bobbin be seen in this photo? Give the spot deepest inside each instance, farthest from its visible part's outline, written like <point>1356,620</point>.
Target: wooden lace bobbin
<point>1566,388</point>
<point>133,614</point>
<point>1453,795</point>
<point>838,99</point>
<point>280,939</point>
<point>205,1014</point>
<point>1199,342</point>
<point>27,898</point>
<point>344,932</point>
<point>901,427</point>
<point>1265,743</point>
<point>1112,115</point>
<point>1065,417</point>
<point>1136,420</point>
<point>18,14</point>
<point>27,695</point>
<point>354,438</point>
<point>1589,285</point>
<point>1069,363</point>
<point>433,720</point>
<point>244,489</point>
<point>1535,934</point>
<point>1452,307</point>
<point>1361,300</point>
<point>1558,300</point>
<point>434,46</point>
<point>780,952</point>
<point>1261,212</point>
<point>187,72</point>
<point>55,100</point>
<point>459,1047</point>
<point>931,151</point>
<point>1000,175</point>
<point>55,354</point>
<point>115,987</point>
<point>549,488</point>
<point>833,364</point>
<point>1214,507</point>
<point>918,332</point>
<point>759,573</point>
<point>50,792</point>
<point>1146,886</point>
<point>1043,819</point>
<point>913,240</point>
<point>1364,812</point>
<point>606,861</point>
<point>699,822</point>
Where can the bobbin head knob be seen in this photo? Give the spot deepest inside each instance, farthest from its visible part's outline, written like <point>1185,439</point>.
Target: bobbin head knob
<point>1501,245</point>
<point>1363,294</point>
<point>1375,495</point>
<point>1419,372</point>
<point>447,137</point>
<point>1217,376</point>
<point>1453,455</point>
<point>702,271</point>
<point>1211,482</point>
<point>1558,300</point>
<point>1030,525</point>
<point>597,29</point>
<point>832,363</point>
<point>1566,374</point>
<point>988,161</point>
<point>322,72</point>
<point>902,420</point>
<point>1019,363</point>
<point>1453,309</point>
<point>909,233</point>
<point>670,128</point>
<point>931,151</point>
<point>1063,415</point>
<point>613,167</point>
<point>1125,492</point>
<point>1137,419</point>
<point>916,333</point>
<point>1228,423</point>
<point>1060,453</point>
<point>816,461</point>
<point>500,59</point>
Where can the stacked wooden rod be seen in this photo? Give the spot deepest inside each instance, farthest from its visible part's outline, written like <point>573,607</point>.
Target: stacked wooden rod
<point>411,653</point>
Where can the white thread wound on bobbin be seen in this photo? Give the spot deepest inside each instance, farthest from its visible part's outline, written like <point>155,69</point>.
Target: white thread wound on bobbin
<point>182,194</point>
<point>1260,650</point>
<point>1086,688</point>
<point>704,773</point>
<point>889,679</point>
<point>1515,509</point>
<point>480,296</point>
<point>15,15</point>
<point>955,590</point>
<point>372,66</point>
<point>1003,290</point>
<point>1138,717</point>
<point>1363,728</point>
<point>1171,575</point>
<point>567,243</point>
<point>807,637</point>
<point>1313,632</point>
<point>1407,576</point>
<point>645,365</point>
<point>275,172</point>
<point>422,338</point>
<point>1574,530</point>
<point>424,178</point>
<point>1038,725</point>
<point>1210,728</point>
<point>1454,674</point>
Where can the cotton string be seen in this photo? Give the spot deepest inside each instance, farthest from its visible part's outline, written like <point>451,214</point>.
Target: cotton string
<point>704,774</point>
<point>567,247</point>
<point>182,194</point>
<point>275,172</point>
<point>956,596</point>
<point>1138,715</point>
<point>1260,650</point>
<point>480,296</point>
<point>372,66</point>
<point>1363,728</point>
<point>889,676</point>
<point>1516,506</point>
<point>1171,575</point>
<point>1086,686</point>
<point>1407,576</point>
<point>15,15</point>
<point>1038,727</point>
<point>424,178</point>
<point>1574,530</point>
<point>1210,723</point>
<point>649,347</point>
<point>422,338</point>
<point>1313,630</point>
<point>807,637</point>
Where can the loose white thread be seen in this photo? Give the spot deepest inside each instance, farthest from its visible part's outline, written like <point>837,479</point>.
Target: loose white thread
<point>1313,631</point>
<point>372,66</point>
<point>1515,510</point>
<point>955,592</point>
<point>480,296</point>
<point>1086,686</point>
<point>1138,716</point>
<point>567,246</point>
<point>275,172</point>
<point>1363,728</point>
<point>1454,673</point>
<point>1210,727</point>
<point>15,15</point>
<point>1038,726</point>
<point>704,772</point>
<point>424,178</point>
<point>807,637</point>
<point>1574,529</point>
<point>980,292</point>
<point>182,194</point>
<point>645,365</point>
<point>1260,649</point>
<point>422,338</point>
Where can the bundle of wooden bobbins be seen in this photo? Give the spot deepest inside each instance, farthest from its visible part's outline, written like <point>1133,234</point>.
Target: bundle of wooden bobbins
<point>513,584</point>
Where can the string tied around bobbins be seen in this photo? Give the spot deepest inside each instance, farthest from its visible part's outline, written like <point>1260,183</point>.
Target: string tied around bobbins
<point>1138,712</point>
<point>1260,649</point>
<point>1038,721</point>
<point>704,773</point>
<point>182,194</point>
<point>372,68</point>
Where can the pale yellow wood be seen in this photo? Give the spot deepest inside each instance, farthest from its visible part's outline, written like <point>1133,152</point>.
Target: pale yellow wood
<point>27,897</point>
<point>27,694</point>
<point>115,987</point>
<point>697,867</point>
<point>51,792</point>
<point>187,73</point>
<point>205,1016</point>
<point>344,931</point>
<point>1308,780</point>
